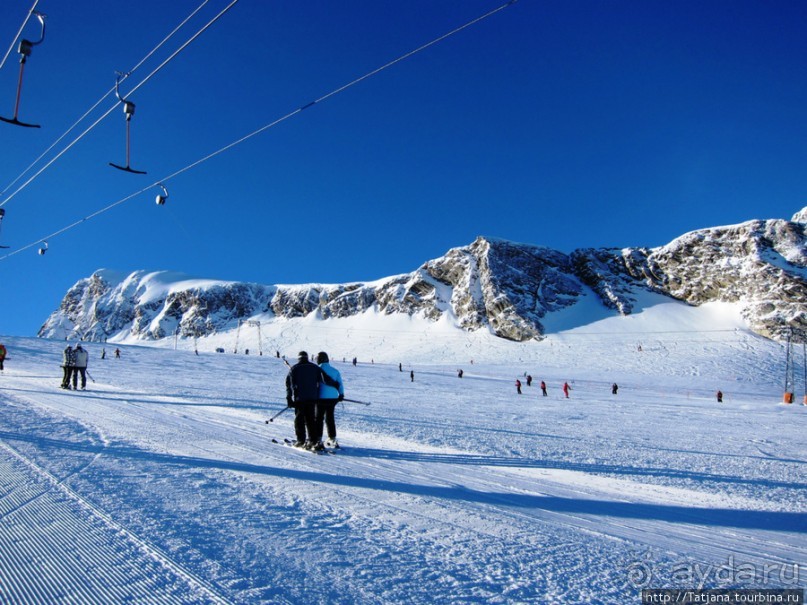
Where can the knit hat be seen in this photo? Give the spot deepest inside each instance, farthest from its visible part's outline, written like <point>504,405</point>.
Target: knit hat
<point>302,355</point>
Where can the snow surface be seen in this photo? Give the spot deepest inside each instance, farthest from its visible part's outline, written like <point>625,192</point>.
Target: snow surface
<point>161,484</point>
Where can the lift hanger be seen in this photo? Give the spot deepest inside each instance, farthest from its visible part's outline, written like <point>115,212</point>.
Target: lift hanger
<point>128,109</point>
<point>25,51</point>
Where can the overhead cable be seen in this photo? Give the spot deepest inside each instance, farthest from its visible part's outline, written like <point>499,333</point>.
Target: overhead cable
<point>262,128</point>
<point>111,109</point>
<point>97,103</point>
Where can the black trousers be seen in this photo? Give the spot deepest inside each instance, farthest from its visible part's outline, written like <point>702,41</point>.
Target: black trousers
<point>305,420</point>
<point>68,372</point>
<point>83,372</point>
<point>326,416</point>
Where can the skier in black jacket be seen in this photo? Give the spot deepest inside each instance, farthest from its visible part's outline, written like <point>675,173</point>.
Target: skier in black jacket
<point>68,365</point>
<point>302,393</point>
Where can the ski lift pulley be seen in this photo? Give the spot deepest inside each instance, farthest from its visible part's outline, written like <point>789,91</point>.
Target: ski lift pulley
<point>25,51</point>
<point>128,110</point>
<point>161,198</point>
<point>44,248</point>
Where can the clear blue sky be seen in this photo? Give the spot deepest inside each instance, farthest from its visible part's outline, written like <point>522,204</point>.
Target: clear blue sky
<point>562,124</point>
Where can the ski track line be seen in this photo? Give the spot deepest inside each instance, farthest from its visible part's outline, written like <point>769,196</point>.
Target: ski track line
<point>150,549</point>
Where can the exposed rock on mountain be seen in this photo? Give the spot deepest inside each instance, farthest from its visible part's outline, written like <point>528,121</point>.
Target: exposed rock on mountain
<point>493,284</point>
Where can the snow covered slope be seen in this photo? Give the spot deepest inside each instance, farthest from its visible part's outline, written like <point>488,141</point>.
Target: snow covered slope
<point>161,482</point>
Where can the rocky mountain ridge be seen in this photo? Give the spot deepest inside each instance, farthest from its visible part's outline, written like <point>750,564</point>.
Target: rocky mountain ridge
<point>505,287</point>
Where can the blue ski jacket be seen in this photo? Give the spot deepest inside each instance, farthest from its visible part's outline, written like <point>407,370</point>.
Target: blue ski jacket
<point>331,392</point>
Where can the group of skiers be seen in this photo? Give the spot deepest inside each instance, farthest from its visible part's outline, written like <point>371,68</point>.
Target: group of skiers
<point>74,364</point>
<point>566,386</point>
<point>313,390</point>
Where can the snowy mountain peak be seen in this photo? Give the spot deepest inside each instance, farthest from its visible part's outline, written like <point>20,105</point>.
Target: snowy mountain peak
<point>511,290</point>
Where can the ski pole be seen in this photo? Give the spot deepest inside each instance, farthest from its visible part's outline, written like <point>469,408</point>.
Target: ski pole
<point>356,401</point>
<point>90,376</point>
<point>272,419</point>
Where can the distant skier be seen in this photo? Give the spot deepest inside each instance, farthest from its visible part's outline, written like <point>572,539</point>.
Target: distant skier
<point>614,388</point>
<point>329,396</point>
<point>117,353</point>
<point>81,359</point>
<point>460,373</point>
<point>720,397</point>
<point>2,355</point>
<point>566,389</point>
<point>68,364</point>
<point>103,353</point>
<point>543,388</point>
<point>529,380</point>
<point>400,367</point>
<point>412,376</point>
<point>518,386</point>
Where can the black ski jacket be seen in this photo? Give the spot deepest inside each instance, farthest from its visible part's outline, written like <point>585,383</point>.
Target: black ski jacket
<point>303,380</point>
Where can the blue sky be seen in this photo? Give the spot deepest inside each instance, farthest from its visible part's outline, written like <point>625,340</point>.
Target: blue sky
<point>562,124</point>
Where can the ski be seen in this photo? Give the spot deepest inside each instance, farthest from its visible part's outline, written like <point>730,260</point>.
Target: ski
<point>290,443</point>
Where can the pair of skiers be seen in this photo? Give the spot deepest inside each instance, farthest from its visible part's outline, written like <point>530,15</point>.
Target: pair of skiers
<point>313,391</point>
<point>529,383</point>
<point>74,363</point>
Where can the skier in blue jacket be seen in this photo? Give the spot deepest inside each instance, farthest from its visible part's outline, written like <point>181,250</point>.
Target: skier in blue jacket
<point>329,396</point>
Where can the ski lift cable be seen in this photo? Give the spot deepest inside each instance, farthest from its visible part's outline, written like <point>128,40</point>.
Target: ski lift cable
<point>111,109</point>
<point>19,33</point>
<point>101,100</point>
<point>338,90</point>
<point>165,179</point>
<point>76,223</point>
